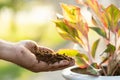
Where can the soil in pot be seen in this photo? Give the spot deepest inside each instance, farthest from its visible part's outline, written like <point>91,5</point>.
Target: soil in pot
<point>79,70</point>
<point>84,71</point>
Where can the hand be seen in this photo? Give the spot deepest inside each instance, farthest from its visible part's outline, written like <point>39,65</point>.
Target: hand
<point>23,55</point>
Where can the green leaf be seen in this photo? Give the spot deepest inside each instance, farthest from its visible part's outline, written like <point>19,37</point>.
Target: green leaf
<point>94,47</point>
<point>67,32</point>
<point>110,49</point>
<point>101,32</point>
<point>73,18</point>
<point>93,69</point>
<point>95,65</point>
<point>113,15</point>
<point>68,52</point>
<point>82,60</point>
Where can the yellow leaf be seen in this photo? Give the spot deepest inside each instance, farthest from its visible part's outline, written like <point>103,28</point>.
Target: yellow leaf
<point>71,13</point>
<point>82,60</point>
<point>68,52</point>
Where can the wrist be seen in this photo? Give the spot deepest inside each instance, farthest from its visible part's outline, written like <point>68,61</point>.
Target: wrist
<point>6,50</point>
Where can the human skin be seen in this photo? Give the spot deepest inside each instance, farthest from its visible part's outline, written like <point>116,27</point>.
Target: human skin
<point>22,54</point>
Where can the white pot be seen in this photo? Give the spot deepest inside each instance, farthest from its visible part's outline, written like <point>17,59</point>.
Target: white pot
<point>69,75</point>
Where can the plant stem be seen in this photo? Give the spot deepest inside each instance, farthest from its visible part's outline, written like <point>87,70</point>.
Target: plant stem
<point>108,67</point>
<point>117,66</point>
<point>89,52</point>
<point>109,36</point>
<point>114,56</point>
<point>115,39</point>
<point>105,73</point>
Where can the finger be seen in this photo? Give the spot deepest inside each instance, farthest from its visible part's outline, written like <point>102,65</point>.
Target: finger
<point>39,67</point>
<point>43,66</point>
<point>70,64</point>
<point>60,65</point>
<point>56,65</point>
<point>29,44</point>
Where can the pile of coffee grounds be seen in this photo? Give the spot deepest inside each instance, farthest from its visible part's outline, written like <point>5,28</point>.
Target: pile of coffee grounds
<point>49,56</point>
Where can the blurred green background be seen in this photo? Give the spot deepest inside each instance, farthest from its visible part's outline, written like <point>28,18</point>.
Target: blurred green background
<point>29,20</point>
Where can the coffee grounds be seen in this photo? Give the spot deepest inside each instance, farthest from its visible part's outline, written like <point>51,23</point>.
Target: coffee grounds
<point>49,56</point>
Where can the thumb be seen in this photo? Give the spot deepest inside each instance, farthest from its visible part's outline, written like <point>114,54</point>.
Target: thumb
<point>29,44</point>
<point>33,47</point>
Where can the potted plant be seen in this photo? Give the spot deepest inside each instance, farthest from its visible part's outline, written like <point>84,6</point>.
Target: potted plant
<point>98,59</point>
